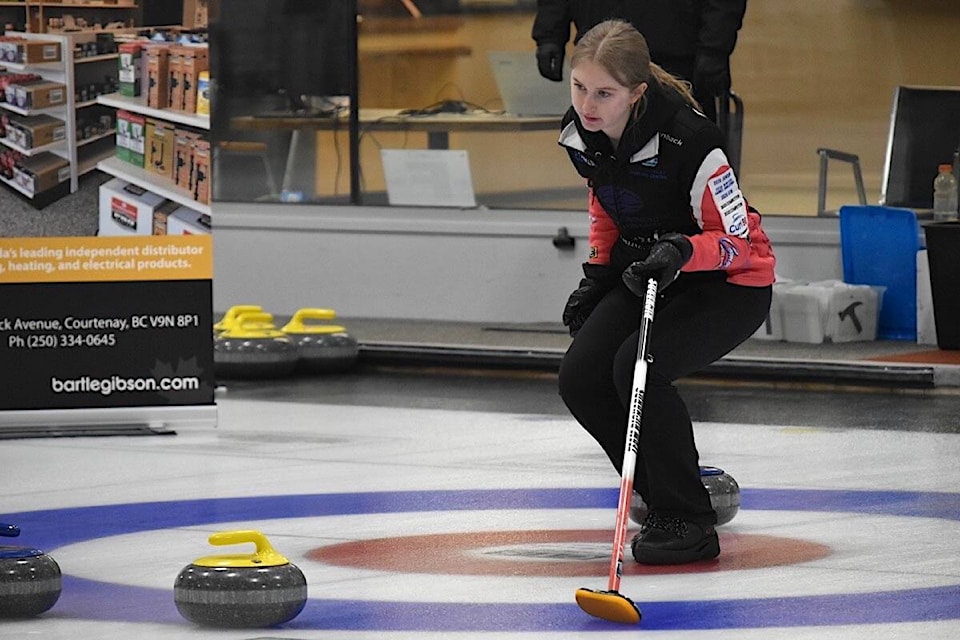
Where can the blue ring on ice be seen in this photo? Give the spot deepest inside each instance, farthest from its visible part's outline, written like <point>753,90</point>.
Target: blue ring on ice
<point>100,600</point>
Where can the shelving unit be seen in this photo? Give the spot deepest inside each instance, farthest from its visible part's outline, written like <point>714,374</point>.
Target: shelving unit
<point>37,13</point>
<point>56,72</point>
<point>82,155</point>
<point>141,177</point>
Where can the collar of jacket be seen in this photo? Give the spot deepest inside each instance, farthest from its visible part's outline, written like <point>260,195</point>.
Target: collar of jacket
<point>640,139</point>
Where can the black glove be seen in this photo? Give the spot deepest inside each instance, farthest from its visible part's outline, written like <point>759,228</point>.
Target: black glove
<point>663,263</point>
<point>598,282</point>
<point>711,74</point>
<point>550,61</point>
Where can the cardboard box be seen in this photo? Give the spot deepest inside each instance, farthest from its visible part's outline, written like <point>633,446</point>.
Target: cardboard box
<point>131,137</point>
<point>193,61</point>
<point>201,171</point>
<point>35,131</point>
<point>36,174</point>
<point>187,221</point>
<point>183,157</point>
<point>158,79</point>
<point>203,93</point>
<point>130,69</point>
<point>159,145</point>
<point>127,209</point>
<point>40,94</point>
<point>175,78</point>
<point>161,215</point>
<point>22,51</point>
<point>829,312</point>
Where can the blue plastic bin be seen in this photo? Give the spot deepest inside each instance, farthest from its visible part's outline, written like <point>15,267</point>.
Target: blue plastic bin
<point>879,247</point>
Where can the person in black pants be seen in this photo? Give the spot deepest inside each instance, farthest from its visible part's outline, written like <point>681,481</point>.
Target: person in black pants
<point>663,203</point>
<point>692,39</point>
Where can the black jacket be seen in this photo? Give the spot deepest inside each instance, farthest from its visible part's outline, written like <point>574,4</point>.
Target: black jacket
<point>674,29</point>
<point>644,185</point>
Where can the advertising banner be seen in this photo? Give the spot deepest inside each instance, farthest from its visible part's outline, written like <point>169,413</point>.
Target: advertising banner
<point>95,322</point>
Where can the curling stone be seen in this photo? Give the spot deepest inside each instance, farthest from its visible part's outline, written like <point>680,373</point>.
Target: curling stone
<point>253,348</point>
<point>259,589</point>
<point>229,317</point>
<point>30,580</point>
<point>322,348</point>
<point>724,496</point>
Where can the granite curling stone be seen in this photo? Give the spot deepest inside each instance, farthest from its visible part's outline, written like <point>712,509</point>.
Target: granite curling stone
<point>30,580</point>
<point>260,589</point>
<point>321,348</point>
<point>253,348</point>
<point>724,496</point>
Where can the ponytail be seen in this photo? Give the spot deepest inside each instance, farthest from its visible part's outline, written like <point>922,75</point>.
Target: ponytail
<point>681,86</point>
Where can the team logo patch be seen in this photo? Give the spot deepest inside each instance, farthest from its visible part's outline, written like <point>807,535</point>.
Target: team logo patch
<point>728,253</point>
<point>651,162</point>
<point>730,203</point>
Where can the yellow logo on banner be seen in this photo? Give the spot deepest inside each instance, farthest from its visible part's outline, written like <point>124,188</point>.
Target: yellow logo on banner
<point>106,259</point>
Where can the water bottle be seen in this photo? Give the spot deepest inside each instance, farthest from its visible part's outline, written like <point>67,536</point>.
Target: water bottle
<point>945,195</point>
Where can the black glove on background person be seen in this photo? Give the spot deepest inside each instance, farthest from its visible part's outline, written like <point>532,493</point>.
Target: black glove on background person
<point>550,61</point>
<point>599,280</point>
<point>711,74</point>
<point>663,263</point>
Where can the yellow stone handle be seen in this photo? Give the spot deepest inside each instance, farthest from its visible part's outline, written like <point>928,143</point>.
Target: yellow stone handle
<point>264,555</point>
<point>231,315</point>
<point>298,323</point>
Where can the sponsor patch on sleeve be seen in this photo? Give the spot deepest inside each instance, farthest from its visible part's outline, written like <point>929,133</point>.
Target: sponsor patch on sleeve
<point>728,253</point>
<point>730,203</point>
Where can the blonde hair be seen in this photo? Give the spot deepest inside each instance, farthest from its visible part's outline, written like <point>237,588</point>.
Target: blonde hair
<point>622,51</point>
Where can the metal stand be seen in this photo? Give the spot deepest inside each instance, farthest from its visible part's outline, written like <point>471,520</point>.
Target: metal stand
<point>832,154</point>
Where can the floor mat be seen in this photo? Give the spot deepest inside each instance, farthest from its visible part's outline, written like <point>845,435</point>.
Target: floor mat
<point>933,356</point>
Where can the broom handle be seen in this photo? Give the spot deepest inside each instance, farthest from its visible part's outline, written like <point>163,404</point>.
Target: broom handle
<point>633,436</point>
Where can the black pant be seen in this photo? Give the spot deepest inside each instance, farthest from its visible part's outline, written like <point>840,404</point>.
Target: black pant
<point>698,319</point>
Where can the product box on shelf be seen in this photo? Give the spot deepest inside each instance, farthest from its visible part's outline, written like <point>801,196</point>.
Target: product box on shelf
<point>183,161</point>
<point>161,215</point>
<point>127,209</point>
<point>36,174</point>
<point>193,61</point>
<point>39,94</point>
<point>187,221</point>
<point>23,51</point>
<point>158,80</point>
<point>7,79</point>
<point>203,93</point>
<point>129,69</point>
<point>175,78</point>
<point>201,171</point>
<point>35,131</point>
<point>131,137</point>
<point>159,148</point>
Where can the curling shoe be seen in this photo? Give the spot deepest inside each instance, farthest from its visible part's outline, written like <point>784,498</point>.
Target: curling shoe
<point>665,540</point>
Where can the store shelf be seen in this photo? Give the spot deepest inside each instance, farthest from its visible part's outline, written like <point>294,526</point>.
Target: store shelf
<point>32,112</point>
<point>16,187</point>
<point>138,105</point>
<point>63,71</point>
<point>56,147</point>
<point>150,181</point>
<point>92,139</point>
<point>39,67</point>
<point>86,59</point>
<point>90,163</point>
